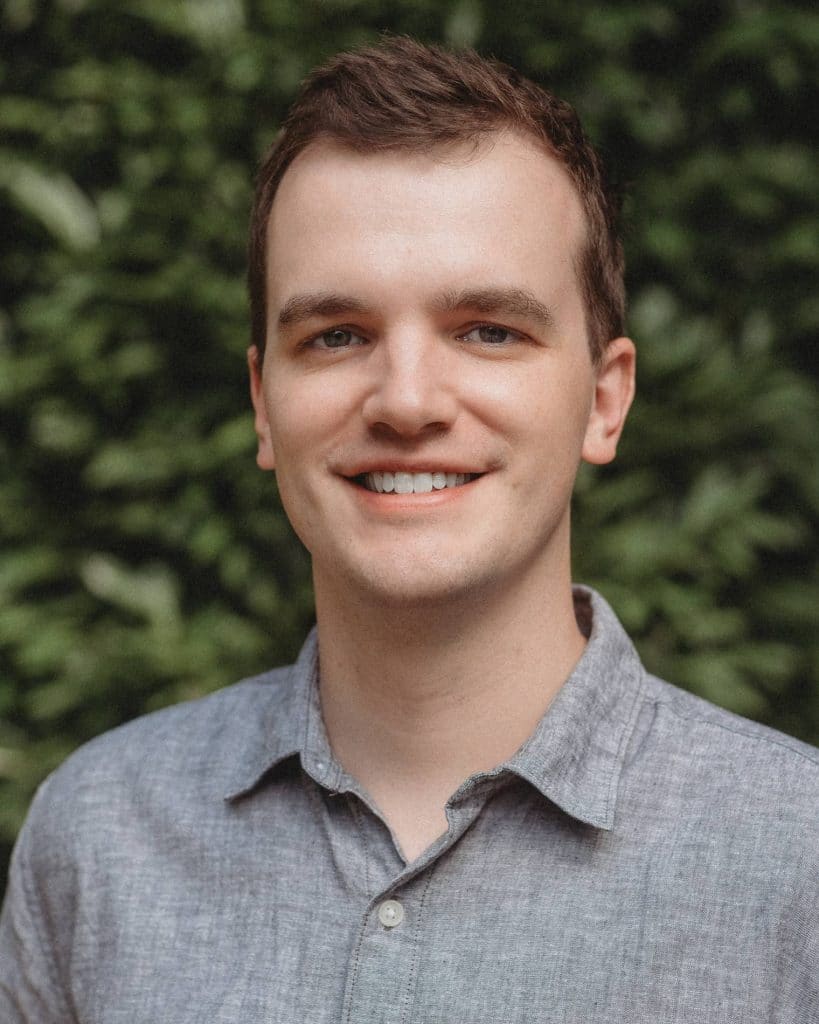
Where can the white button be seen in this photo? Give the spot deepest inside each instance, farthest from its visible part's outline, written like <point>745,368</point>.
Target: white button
<point>320,766</point>
<point>390,913</point>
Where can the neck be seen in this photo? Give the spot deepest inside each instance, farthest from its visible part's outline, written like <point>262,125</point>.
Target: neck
<point>418,698</point>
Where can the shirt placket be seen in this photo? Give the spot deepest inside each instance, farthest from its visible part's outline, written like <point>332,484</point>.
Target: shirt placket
<point>392,936</point>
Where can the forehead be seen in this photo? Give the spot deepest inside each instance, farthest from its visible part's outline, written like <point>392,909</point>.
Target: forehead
<point>499,206</point>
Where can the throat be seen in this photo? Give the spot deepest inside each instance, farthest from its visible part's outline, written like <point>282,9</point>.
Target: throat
<point>415,822</point>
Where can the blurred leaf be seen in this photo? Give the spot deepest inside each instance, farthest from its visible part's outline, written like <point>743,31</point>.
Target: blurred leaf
<point>53,199</point>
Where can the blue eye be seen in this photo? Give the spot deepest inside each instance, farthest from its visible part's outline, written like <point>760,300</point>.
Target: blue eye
<point>338,337</point>
<point>491,334</point>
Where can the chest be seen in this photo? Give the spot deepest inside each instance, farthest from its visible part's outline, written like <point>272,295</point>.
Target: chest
<point>521,915</point>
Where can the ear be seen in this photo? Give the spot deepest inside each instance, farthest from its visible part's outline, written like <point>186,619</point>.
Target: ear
<point>613,392</point>
<point>264,455</point>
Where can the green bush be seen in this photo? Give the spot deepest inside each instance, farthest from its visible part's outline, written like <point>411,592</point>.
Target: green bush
<point>144,557</point>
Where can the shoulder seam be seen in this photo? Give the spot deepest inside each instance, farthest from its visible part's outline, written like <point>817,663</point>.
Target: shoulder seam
<point>767,738</point>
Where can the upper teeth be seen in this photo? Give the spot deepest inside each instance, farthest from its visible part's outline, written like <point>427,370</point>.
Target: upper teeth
<point>414,483</point>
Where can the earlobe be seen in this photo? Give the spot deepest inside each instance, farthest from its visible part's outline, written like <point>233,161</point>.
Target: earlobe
<point>264,453</point>
<point>613,393</point>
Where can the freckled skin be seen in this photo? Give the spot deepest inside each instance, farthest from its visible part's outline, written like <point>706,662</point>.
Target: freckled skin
<point>420,385</point>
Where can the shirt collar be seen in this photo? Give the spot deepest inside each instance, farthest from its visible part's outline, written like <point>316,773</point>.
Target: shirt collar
<point>576,754</point>
<point>283,728</point>
<point>573,758</point>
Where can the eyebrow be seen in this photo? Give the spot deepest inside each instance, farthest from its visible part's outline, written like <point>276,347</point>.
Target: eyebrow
<point>486,301</point>
<point>299,308</point>
<point>497,301</point>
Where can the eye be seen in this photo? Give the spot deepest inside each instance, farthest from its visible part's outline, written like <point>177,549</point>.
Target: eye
<point>490,334</point>
<point>337,337</point>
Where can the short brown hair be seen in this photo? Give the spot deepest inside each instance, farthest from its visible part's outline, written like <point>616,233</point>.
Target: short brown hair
<point>403,95</point>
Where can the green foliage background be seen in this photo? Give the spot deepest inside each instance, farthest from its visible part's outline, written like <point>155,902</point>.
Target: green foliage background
<point>144,558</point>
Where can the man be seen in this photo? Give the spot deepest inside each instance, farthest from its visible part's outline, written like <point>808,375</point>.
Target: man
<point>467,801</point>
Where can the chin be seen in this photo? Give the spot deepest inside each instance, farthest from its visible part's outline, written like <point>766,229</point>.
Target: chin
<point>417,585</point>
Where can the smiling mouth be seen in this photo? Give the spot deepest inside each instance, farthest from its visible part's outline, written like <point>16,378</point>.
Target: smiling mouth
<point>412,483</point>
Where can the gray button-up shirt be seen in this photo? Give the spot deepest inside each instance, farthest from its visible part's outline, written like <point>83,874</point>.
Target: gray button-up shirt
<point>644,857</point>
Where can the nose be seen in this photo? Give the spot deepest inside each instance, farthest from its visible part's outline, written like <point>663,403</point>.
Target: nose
<point>412,391</point>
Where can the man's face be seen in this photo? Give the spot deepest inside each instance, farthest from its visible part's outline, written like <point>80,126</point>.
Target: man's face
<point>427,390</point>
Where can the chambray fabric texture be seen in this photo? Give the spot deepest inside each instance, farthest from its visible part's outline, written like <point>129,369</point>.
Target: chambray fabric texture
<point>644,857</point>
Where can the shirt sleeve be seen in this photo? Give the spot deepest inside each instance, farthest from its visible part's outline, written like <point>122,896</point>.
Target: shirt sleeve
<point>797,955</point>
<point>32,920</point>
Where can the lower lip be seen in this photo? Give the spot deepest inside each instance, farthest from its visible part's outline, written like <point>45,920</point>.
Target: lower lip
<point>403,503</point>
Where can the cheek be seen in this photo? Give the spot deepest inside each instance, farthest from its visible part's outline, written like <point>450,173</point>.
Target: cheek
<point>297,415</point>
<point>535,407</point>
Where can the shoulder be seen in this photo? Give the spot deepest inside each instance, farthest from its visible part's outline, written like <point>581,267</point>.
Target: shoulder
<point>726,804</point>
<point>219,723</point>
<point>707,754</point>
<point>100,829</point>
<point>180,755</point>
<point>725,732</point>
<point>721,814</point>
